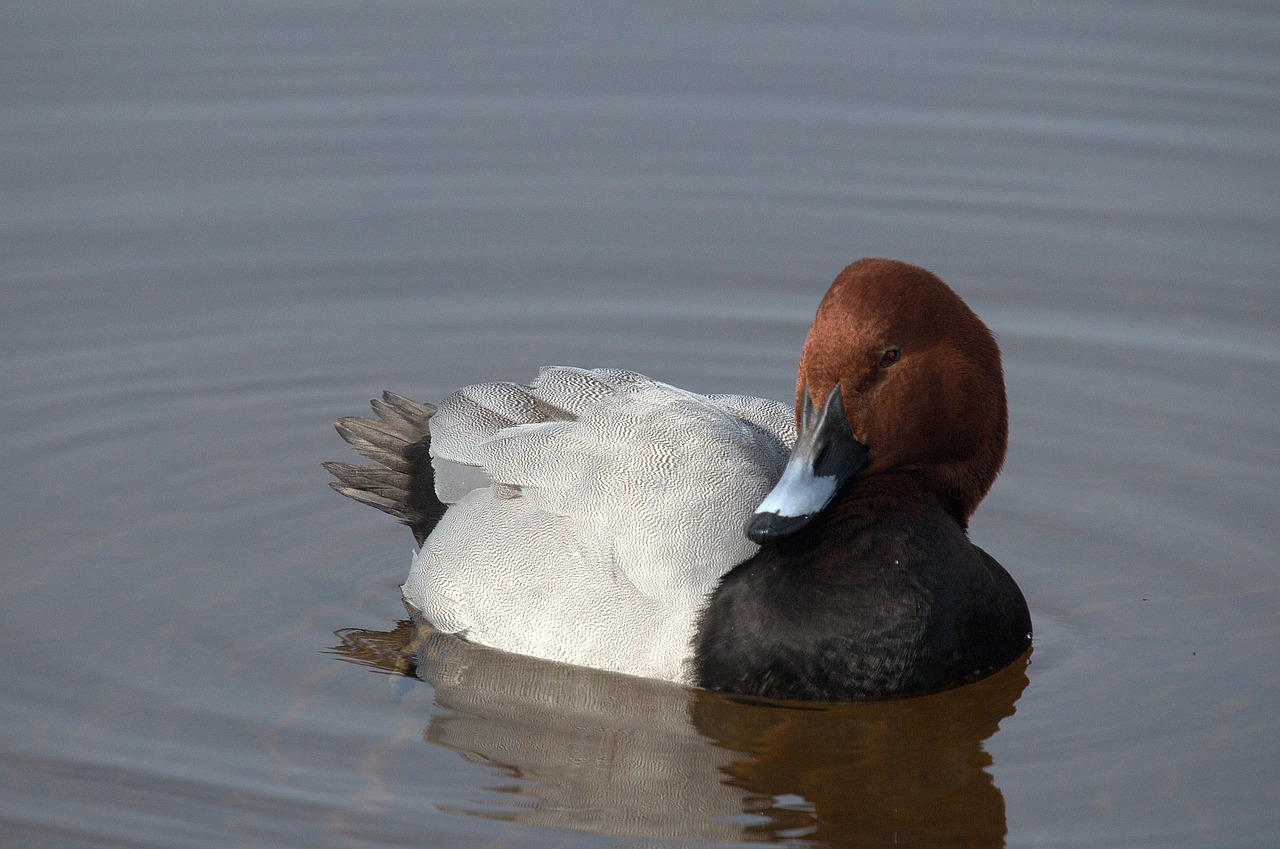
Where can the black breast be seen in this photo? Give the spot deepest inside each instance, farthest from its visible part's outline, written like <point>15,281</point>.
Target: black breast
<point>868,600</point>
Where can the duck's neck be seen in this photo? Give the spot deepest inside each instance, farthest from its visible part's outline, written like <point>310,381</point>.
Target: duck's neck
<point>867,497</point>
<point>919,485</point>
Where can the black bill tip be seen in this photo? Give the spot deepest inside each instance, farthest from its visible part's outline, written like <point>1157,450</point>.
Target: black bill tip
<point>767,527</point>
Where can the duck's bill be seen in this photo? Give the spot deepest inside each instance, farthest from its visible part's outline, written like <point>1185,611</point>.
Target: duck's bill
<point>825,457</point>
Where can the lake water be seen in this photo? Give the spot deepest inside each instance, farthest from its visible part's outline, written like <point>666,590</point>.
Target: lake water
<point>225,225</point>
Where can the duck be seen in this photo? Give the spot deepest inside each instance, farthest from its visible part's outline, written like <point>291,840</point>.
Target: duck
<point>813,551</point>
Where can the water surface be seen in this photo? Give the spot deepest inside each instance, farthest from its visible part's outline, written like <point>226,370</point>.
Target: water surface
<point>225,225</point>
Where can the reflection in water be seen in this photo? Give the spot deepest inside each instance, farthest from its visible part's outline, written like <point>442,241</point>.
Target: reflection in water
<point>610,754</point>
<point>876,773</point>
<point>388,651</point>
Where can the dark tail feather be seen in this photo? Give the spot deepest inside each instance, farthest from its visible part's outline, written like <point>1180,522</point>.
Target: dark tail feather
<point>399,441</point>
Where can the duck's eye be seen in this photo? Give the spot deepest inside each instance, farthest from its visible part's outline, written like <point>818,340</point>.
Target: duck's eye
<point>889,357</point>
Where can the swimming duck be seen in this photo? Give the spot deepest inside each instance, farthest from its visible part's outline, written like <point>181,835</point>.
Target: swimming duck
<point>601,518</point>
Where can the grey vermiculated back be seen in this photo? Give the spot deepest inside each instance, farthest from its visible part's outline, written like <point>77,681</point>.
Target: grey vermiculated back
<point>616,503</point>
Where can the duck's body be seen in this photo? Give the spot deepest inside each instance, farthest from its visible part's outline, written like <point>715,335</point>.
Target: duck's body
<point>604,519</point>
<point>618,503</point>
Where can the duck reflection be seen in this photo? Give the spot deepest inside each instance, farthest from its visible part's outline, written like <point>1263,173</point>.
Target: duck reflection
<point>621,756</point>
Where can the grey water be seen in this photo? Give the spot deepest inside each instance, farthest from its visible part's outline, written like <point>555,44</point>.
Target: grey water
<point>224,225</point>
